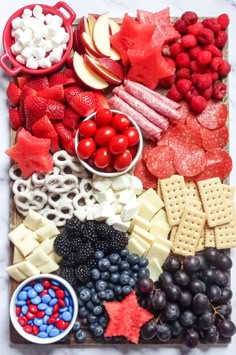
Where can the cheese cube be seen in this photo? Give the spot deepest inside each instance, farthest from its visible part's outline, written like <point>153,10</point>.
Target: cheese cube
<point>154,268</point>
<point>126,196</point>
<point>163,242</point>
<point>17,256</point>
<point>130,210</point>
<point>135,247</point>
<point>140,222</point>
<point>160,229</point>
<point>23,239</point>
<point>152,198</point>
<point>106,196</point>
<point>120,182</point>
<point>48,231</point>
<point>47,246</point>
<point>140,241</point>
<point>135,184</point>
<point>147,211</point>
<point>55,257</point>
<point>160,216</point>
<point>43,262</point>
<point>28,269</point>
<point>100,183</point>
<point>15,273</point>
<point>103,211</point>
<point>148,237</point>
<point>158,251</point>
<point>119,224</point>
<point>34,220</point>
<point>117,207</point>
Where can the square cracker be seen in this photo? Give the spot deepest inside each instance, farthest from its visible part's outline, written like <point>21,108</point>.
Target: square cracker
<point>209,236</point>
<point>228,191</point>
<point>225,235</point>
<point>189,232</point>
<point>174,195</point>
<point>172,234</point>
<point>201,244</point>
<point>192,191</point>
<point>195,204</point>
<point>218,209</point>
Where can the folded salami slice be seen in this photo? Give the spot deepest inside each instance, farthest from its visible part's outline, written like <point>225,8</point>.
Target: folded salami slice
<point>139,106</point>
<point>157,102</point>
<point>149,130</point>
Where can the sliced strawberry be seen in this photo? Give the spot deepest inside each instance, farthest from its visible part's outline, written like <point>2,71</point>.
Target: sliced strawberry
<point>69,146</point>
<point>71,92</point>
<point>22,80</point>
<point>14,118</point>
<point>26,91</point>
<point>38,83</point>
<point>54,93</point>
<point>70,77</point>
<point>84,104</point>
<point>101,100</point>
<point>55,110</point>
<point>64,77</point>
<point>34,108</point>
<point>65,133</point>
<point>71,118</point>
<point>43,128</point>
<point>13,94</point>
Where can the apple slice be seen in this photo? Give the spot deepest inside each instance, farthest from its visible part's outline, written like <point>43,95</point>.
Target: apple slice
<point>89,45</point>
<point>79,29</point>
<point>101,71</point>
<point>101,36</point>
<point>114,26</point>
<point>112,66</point>
<point>91,23</point>
<point>114,54</point>
<point>86,75</point>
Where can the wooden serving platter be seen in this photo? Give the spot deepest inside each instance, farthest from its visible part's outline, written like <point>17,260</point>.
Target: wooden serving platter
<point>16,219</point>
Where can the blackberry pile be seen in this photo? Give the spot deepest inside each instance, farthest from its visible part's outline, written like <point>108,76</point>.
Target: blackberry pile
<point>191,299</point>
<point>77,244</point>
<point>113,278</point>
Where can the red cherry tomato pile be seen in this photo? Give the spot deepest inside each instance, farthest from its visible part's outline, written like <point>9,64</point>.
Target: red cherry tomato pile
<point>108,141</point>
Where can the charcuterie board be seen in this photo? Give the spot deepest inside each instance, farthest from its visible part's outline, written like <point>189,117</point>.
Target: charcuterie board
<point>16,219</point>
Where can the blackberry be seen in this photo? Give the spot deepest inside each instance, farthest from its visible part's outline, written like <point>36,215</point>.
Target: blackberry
<point>70,261</point>
<point>103,245</point>
<point>73,227</point>
<point>62,245</point>
<point>68,273</point>
<point>89,231</point>
<point>104,231</point>
<point>76,244</point>
<point>118,241</point>
<point>85,252</point>
<point>91,263</point>
<point>83,273</point>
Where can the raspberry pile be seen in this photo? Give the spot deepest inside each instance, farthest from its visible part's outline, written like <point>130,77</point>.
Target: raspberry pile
<point>198,55</point>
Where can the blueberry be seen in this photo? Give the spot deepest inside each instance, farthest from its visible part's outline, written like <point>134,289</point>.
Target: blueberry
<point>132,282</point>
<point>133,259</point>
<point>80,336</point>
<point>93,326</point>
<point>124,279</point>
<point>135,267</point>
<point>127,272</point>
<point>99,254</point>
<point>102,295</point>
<point>109,295</point>
<point>111,286</point>
<point>113,269</point>
<point>101,285</point>
<point>85,294</point>
<point>115,278</point>
<point>104,264</point>
<point>91,318</point>
<point>103,321</point>
<point>143,262</point>
<point>126,289</point>
<point>105,275</point>
<point>98,310</point>
<point>143,271</point>
<point>124,265</point>
<point>95,299</point>
<point>95,274</point>
<point>83,312</point>
<point>89,284</point>
<point>118,290</point>
<point>98,331</point>
<point>124,253</point>
<point>84,321</point>
<point>90,305</point>
<point>114,258</point>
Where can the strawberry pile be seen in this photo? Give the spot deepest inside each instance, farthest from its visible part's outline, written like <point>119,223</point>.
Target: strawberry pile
<point>198,56</point>
<point>51,106</point>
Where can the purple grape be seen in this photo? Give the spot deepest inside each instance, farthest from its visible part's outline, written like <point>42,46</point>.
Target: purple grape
<point>206,320</point>
<point>224,262</point>
<point>227,328</point>
<point>211,335</point>
<point>191,264</point>
<point>181,278</point>
<point>191,338</point>
<point>185,299</point>
<point>149,331</point>
<point>145,285</point>
<point>172,264</point>
<point>200,303</point>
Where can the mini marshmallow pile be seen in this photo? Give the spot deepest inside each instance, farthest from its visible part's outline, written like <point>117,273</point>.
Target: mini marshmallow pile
<point>40,40</point>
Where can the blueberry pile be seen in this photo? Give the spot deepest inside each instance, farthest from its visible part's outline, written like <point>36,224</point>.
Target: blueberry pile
<point>78,243</point>
<point>191,299</point>
<point>113,278</point>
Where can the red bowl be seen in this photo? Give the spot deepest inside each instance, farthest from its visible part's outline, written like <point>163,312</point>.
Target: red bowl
<point>8,61</point>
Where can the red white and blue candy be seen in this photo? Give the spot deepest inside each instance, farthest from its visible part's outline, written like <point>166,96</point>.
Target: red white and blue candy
<point>44,308</point>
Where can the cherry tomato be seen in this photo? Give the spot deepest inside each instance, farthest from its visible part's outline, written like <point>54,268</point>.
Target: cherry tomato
<point>104,135</point>
<point>120,121</point>
<point>103,117</point>
<point>118,144</point>
<point>123,160</point>
<point>133,150</point>
<point>132,134</point>
<point>102,158</point>
<point>86,148</point>
<point>87,128</point>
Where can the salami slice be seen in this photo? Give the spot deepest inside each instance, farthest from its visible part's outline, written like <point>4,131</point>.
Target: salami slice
<point>218,164</point>
<point>149,145</point>
<point>160,161</point>
<point>141,171</point>
<point>189,160</point>
<point>183,134</point>
<point>217,138</point>
<point>214,116</point>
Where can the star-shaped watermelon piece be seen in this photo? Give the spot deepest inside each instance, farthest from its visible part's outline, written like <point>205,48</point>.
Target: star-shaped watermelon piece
<point>31,153</point>
<point>126,318</point>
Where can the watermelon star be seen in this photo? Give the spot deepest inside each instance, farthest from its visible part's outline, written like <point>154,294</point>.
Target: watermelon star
<point>126,318</point>
<point>31,153</point>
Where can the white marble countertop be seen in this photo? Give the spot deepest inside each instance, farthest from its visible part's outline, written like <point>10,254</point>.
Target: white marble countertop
<point>116,8</point>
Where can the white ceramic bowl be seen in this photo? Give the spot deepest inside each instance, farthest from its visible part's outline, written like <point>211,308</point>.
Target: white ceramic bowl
<point>115,173</point>
<point>33,338</point>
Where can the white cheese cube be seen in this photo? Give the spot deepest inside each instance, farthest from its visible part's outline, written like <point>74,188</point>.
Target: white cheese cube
<point>55,257</point>
<point>148,237</point>
<point>135,247</point>
<point>147,210</point>
<point>48,231</point>
<point>160,216</point>
<point>130,210</point>
<point>135,184</point>
<point>154,268</point>
<point>158,251</point>
<point>160,229</point>
<point>126,196</point>
<point>117,207</point>
<point>27,268</point>
<point>152,198</point>
<point>43,262</point>
<point>103,211</point>
<point>120,225</point>
<point>140,241</point>
<point>121,182</point>
<point>140,222</point>
<point>17,256</point>
<point>100,183</point>
<point>23,239</point>
<point>105,196</point>
<point>15,273</point>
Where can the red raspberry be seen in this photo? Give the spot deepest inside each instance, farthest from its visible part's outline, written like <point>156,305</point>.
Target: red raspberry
<point>194,78</point>
<point>189,41</point>
<point>167,82</point>
<point>214,76</point>
<point>175,49</point>
<point>192,92</point>
<point>182,73</point>
<point>195,67</point>
<point>198,103</point>
<point>224,68</point>
<point>171,63</point>
<point>216,52</point>
<point>183,85</point>
<point>193,52</point>
<point>189,17</point>
<point>215,63</point>
<point>193,29</point>
<point>174,94</point>
<point>205,36</point>
<point>223,20</point>
<point>219,90</point>
<point>182,60</point>
<point>221,39</point>
<point>212,24</point>
<point>207,94</point>
<point>204,57</point>
<point>181,27</point>
<point>204,81</point>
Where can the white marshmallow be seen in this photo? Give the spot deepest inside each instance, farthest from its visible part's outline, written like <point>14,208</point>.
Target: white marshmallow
<point>37,36</point>
<point>107,195</point>
<point>37,11</point>
<point>117,207</point>
<point>45,62</point>
<point>27,13</point>
<point>103,211</point>
<point>120,182</point>
<point>16,48</point>
<point>32,63</point>
<point>48,45</point>
<point>48,19</point>
<point>20,59</point>
<point>16,23</point>
<point>126,196</point>
<point>120,225</point>
<point>57,21</point>
<point>18,33</point>
<point>55,56</point>
<point>39,53</point>
<point>26,37</point>
<point>136,184</point>
<point>27,52</point>
<point>81,213</point>
<point>100,183</point>
<point>130,211</point>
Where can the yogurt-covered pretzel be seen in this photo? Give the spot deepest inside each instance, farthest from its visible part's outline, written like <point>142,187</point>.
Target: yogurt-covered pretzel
<point>22,185</point>
<point>61,184</point>
<point>59,216</point>
<point>38,179</point>
<point>35,200</point>
<point>55,198</point>
<point>15,172</point>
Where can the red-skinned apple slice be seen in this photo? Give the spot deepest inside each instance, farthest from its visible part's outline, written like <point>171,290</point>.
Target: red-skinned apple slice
<point>87,41</point>
<point>101,36</point>
<point>114,54</point>
<point>86,75</point>
<point>112,66</point>
<point>91,23</point>
<point>79,29</point>
<point>101,71</point>
<point>114,26</point>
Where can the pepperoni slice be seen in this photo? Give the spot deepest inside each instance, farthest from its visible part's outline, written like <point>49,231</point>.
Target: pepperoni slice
<point>214,116</point>
<point>146,149</point>
<point>189,160</point>
<point>160,161</point>
<point>218,164</point>
<point>183,134</point>
<point>217,138</point>
<point>165,136</point>
<point>141,171</point>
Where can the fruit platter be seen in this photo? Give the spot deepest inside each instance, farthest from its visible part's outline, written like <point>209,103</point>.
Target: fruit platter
<point>122,215</point>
